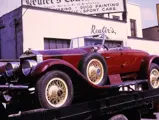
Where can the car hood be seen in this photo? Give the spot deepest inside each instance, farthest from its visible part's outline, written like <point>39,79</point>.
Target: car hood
<point>62,52</point>
<point>74,51</point>
<point>56,52</point>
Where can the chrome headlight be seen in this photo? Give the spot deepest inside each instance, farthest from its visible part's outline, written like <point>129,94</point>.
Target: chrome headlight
<point>11,67</point>
<point>27,66</point>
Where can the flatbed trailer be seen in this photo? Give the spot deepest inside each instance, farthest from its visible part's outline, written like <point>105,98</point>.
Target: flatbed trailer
<point>131,104</point>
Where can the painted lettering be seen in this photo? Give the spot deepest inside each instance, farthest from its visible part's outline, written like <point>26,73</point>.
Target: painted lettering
<point>40,2</point>
<point>104,29</point>
<point>79,6</point>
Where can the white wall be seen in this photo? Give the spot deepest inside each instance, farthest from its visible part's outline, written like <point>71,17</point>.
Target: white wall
<point>38,24</point>
<point>134,12</point>
<point>151,47</point>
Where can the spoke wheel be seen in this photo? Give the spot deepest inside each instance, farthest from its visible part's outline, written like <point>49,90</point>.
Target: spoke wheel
<point>54,90</point>
<point>94,67</point>
<point>154,78</point>
<point>95,71</point>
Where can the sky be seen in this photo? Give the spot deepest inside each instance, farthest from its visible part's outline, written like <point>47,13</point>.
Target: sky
<point>148,10</point>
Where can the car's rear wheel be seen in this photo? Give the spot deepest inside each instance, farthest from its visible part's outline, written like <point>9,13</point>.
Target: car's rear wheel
<point>94,67</point>
<point>54,90</point>
<point>154,76</point>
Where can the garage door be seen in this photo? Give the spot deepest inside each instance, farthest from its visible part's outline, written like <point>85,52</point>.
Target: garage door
<point>52,43</point>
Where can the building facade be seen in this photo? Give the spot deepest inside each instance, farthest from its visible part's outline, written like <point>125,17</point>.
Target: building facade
<point>42,28</point>
<point>151,33</point>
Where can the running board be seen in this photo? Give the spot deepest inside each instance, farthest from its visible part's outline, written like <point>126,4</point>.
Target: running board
<point>127,83</point>
<point>122,84</point>
<point>132,83</point>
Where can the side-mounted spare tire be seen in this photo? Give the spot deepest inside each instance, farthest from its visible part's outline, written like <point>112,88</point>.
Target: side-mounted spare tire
<point>94,67</point>
<point>54,90</point>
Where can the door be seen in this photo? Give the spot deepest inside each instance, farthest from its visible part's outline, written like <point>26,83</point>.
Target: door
<point>131,60</point>
<point>114,61</point>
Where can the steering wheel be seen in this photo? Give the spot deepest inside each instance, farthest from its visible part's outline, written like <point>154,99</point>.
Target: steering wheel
<point>105,46</point>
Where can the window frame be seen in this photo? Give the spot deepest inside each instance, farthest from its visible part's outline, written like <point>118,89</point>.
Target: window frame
<point>57,42</point>
<point>115,17</point>
<point>133,29</point>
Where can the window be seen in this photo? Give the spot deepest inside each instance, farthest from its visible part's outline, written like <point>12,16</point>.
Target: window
<point>133,27</point>
<point>52,43</point>
<point>116,17</point>
<point>100,15</point>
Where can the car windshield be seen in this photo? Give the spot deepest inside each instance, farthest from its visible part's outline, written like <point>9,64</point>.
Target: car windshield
<point>86,41</point>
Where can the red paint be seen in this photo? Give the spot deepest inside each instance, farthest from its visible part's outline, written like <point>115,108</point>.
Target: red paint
<point>119,61</point>
<point>115,79</point>
<point>2,68</point>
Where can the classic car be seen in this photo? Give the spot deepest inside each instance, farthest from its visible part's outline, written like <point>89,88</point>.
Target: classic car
<point>56,76</point>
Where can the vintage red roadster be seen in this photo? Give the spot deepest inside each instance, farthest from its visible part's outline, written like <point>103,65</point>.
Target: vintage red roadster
<point>56,77</point>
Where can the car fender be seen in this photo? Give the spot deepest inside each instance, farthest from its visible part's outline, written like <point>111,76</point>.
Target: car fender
<point>45,65</point>
<point>146,63</point>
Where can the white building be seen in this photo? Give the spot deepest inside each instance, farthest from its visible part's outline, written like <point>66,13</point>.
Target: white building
<point>42,28</point>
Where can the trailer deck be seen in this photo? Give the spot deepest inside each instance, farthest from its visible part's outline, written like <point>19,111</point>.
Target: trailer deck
<point>125,101</point>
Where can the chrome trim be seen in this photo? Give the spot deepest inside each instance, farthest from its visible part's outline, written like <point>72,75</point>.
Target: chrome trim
<point>25,56</point>
<point>32,53</point>
<point>27,66</point>
<point>39,58</point>
<point>11,67</point>
<point>11,86</point>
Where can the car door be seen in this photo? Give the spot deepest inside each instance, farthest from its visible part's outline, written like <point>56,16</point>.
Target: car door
<point>131,60</point>
<point>114,60</point>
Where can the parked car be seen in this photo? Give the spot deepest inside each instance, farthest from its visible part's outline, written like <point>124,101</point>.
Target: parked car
<point>55,76</point>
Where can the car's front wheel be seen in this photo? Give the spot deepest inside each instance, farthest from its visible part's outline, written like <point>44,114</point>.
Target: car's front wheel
<point>54,90</point>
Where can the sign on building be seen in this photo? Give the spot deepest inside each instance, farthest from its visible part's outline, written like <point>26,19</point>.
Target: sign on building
<point>80,6</point>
